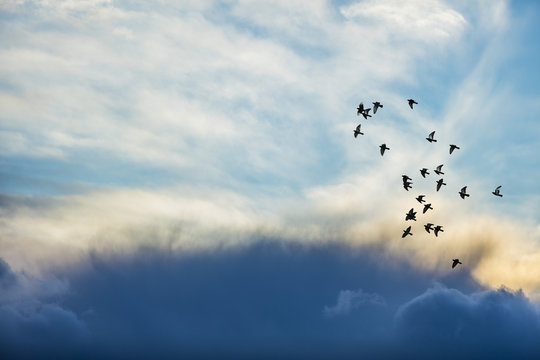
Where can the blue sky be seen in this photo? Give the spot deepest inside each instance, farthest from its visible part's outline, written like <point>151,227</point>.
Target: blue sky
<point>182,136</point>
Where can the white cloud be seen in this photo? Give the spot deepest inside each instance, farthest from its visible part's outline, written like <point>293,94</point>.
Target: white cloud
<point>425,20</point>
<point>235,93</point>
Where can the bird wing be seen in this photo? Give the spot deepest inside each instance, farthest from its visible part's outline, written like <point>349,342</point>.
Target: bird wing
<point>498,187</point>
<point>432,134</point>
<point>358,127</point>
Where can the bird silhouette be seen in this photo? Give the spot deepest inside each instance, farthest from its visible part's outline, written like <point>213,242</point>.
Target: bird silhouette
<point>426,208</point>
<point>437,229</point>
<point>424,172</point>
<point>411,102</point>
<point>383,148</point>
<point>376,105</point>
<point>405,178</point>
<point>438,170</point>
<point>357,131</point>
<point>407,185</point>
<point>463,192</point>
<point>497,192</point>
<point>406,232</point>
<point>453,147</point>
<point>455,262</point>
<point>420,198</point>
<point>428,227</point>
<point>360,109</point>
<point>411,215</point>
<point>430,137</point>
<point>440,183</point>
<point>365,113</point>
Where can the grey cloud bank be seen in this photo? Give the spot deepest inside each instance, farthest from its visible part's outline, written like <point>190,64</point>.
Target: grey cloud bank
<point>267,300</point>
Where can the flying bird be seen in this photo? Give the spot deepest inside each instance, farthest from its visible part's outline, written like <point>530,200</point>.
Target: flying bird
<point>360,109</point>
<point>453,147</point>
<point>365,113</point>
<point>455,262</point>
<point>463,192</point>
<point>431,138</point>
<point>496,192</point>
<point>407,185</point>
<point>357,131</point>
<point>428,227</point>
<point>426,208</point>
<point>437,229</point>
<point>411,102</point>
<point>405,178</point>
<point>424,172</point>
<point>376,105</point>
<point>440,183</point>
<point>438,170</point>
<point>406,232</point>
<point>383,148</point>
<point>411,215</point>
<point>420,198</point>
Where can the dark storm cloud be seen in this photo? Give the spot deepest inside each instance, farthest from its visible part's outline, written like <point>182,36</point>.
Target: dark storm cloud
<point>31,323</point>
<point>7,278</point>
<point>267,300</point>
<point>488,324</point>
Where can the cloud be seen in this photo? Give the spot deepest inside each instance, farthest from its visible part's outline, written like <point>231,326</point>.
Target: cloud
<point>501,322</point>
<point>31,322</point>
<point>428,21</point>
<point>350,300</point>
<point>266,300</point>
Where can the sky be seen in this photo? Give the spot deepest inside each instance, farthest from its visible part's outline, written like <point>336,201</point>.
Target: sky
<point>180,179</point>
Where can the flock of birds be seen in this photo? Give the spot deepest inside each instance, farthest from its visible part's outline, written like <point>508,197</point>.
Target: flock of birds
<point>407,181</point>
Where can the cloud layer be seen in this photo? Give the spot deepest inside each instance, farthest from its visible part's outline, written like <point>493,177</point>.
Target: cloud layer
<point>270,299</point>
<point>182,179</point>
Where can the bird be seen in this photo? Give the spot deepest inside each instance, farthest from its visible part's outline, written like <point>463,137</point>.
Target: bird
<point>426,208</point>
<point>440,183</point>
<point>360,109</point>
<point>496,192</point>
<point>453,147</point>
<point>455,262</point>
<point>365,113</point>
<point>438,170</point>
<point>376,105</point>
<point>428,227</point>
<point>424,172</point>
<point>357,131</point>
<point>463,192</point>
<point>430,137</point>
<point>406,232</point>
<point>437,229</point>
<point>411,215</point>
<point>407,185</point>
<point>411,102</point>
<point>420,198</point>
<point>383,148</point>
<point>405,178</point>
